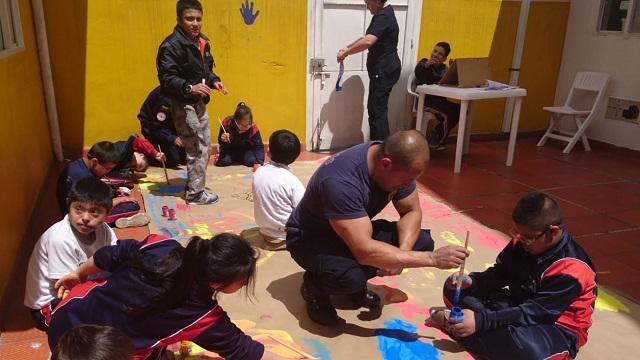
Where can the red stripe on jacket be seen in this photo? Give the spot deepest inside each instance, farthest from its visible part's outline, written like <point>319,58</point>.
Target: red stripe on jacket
<point>577,317</point>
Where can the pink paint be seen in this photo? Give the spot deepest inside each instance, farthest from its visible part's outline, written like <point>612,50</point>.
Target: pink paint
<point>182,207</point>
<point>265,317</point>
<point>408,310</point>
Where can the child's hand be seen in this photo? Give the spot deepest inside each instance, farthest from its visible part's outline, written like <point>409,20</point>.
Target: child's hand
<point>467,327</point>
<point>178,142</point>
<point>452,281</point>
<point>220,87</point>
<point>67,283</point>
<point>160,156</point>
<point>225,137</point>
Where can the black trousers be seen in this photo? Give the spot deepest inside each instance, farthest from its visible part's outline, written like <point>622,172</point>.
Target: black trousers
<point>175,155</point>
<point>452,111</point>
<point>380,85</point>
<point>527,342</point>
<point>330,267</point>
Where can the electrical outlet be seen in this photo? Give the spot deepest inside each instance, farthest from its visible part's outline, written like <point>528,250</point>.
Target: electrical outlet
<point>623,110</point>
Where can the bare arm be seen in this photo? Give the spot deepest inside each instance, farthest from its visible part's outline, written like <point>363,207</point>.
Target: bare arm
<point>357,46</point>
<point>357,233</point>
<point>72,279</point>
<point>410,219</point>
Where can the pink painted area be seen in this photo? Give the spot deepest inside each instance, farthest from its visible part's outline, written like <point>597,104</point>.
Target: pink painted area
<point>182,207</point>
<point>265,317</point>
<point>408,310</point>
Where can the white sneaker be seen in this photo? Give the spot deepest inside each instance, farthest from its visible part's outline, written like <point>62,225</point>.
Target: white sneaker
<point>137,220</point>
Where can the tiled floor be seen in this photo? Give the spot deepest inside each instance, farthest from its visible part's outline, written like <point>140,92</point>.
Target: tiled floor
<point>599,192</point>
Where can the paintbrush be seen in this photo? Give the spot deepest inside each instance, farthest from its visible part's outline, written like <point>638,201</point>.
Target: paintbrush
<point>306,356</point>
<point>164,167</point>
<point>456,296</point>
<point>222,126</point>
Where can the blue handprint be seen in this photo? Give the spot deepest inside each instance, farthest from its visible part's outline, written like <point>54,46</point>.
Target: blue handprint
<point>246,11</point>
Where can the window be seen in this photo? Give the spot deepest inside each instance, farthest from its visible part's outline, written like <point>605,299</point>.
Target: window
<point>620,16</point>
<point>10,27</point>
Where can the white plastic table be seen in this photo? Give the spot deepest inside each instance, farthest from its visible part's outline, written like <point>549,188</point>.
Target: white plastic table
<point>465,95</point>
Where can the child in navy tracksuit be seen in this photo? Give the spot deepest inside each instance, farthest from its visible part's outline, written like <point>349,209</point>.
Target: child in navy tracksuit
<point>157,126</point>
<point>160,293</point>
<point>240,140</point>
<point>536,301</point>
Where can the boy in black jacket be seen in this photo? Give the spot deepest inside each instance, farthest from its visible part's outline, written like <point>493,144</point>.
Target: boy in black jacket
<point>157,126</point>
<point>185,70</point>
<point>536,301</point>
<point>430,71</point>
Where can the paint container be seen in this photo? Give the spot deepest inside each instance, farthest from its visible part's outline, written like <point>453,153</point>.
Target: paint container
<point>455,316</point>
<point>165,210</point>
<point>185,348</point>
<point>172,214</point>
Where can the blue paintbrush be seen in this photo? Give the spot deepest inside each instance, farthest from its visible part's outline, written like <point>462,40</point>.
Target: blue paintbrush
<point>456,296</point>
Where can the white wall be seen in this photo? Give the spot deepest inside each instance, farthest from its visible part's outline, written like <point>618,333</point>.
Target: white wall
<point>617,55</point>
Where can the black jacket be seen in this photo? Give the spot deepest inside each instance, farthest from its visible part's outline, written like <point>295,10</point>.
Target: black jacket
<point>179,64</point>
<point>155,118</point>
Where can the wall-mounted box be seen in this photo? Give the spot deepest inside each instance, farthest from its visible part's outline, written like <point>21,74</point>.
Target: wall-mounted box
<point>623,110</point>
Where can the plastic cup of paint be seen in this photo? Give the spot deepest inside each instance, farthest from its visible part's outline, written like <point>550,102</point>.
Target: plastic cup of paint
<point>172,214</point>
<point>165,210</point>
<point>455,316</point>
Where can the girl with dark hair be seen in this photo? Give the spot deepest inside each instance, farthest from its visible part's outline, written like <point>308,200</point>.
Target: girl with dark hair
<point>240,140</point>
<point>160,293</point>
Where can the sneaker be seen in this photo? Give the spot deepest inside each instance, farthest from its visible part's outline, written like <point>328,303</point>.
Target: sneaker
<point>366,298</point>
<point>319,307</point>
<point>274,245</point>
<point>203,198</point>
<point>137,220</point>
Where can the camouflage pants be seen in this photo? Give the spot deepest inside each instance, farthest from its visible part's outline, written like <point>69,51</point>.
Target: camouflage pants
<point>192,125</point>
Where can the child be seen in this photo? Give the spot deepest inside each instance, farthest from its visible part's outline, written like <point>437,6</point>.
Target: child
<point>160,293</point>
<point>133,154</point>
<point>431,71</point>
<point>157,126</point>
<point>240,140</point>
<point>276,191</point>
<point>185,71</point>
<point>67,244</point>
<point>546,311</point>
<point>93,342</point>
<point>101,159</point>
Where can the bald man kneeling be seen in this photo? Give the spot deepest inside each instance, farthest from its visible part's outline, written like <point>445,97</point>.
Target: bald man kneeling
<point>331,235</point>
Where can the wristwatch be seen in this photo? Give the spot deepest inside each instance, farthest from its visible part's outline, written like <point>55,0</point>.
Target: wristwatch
<point>189,88</point>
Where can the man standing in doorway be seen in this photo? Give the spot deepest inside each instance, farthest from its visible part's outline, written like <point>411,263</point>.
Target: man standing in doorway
<point>383,63</point>
<point>185,70</point>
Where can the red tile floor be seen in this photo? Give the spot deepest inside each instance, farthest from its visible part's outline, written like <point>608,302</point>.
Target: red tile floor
<point>599,192</point>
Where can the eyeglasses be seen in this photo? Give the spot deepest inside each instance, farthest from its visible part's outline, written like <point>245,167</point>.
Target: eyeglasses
<point>527,239</point>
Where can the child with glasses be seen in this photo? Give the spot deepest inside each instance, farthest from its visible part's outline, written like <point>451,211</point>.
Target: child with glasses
<point>536,301</point>
<point>240,140</point>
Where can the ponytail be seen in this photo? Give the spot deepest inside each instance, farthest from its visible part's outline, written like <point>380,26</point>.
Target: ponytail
<point>242,110</point>
<point>224,259</point>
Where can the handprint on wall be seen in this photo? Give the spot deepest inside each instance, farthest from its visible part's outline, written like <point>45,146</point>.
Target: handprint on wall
<point>246,10</point>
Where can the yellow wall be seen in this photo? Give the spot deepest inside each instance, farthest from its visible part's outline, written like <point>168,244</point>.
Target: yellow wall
<point>25,149</point>
<point>262,64</point>
<point>487,28</point>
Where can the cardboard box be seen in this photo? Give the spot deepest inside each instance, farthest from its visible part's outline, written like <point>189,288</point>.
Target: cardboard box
<point>467,73</point>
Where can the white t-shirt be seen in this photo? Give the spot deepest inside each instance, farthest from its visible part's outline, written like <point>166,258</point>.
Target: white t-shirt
<point>57,253</point>
<point>276,192</point>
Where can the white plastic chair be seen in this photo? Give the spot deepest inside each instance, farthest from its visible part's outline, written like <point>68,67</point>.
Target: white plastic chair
<point>427,116</point>
<point>591,81</point>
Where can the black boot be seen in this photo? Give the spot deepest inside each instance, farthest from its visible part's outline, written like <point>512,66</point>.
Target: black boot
<point>319,306</point>
<point>366,298</point>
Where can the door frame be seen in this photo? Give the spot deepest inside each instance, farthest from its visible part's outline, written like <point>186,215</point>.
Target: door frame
<point>411,44</point>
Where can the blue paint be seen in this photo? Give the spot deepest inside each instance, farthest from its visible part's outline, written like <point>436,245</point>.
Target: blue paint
<point>319,349</point>
<point>169,189</point>
<point>456,296</point>
<point>399,341</point>
<point>182,175</point>
<point>246,11</point>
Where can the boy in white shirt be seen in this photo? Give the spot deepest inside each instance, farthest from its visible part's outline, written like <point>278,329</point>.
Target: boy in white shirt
<point>67,244</point>
<point>276,191</point>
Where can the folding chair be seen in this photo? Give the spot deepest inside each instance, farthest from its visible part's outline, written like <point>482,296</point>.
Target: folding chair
<point>427,116</point>
<point>590,81</point>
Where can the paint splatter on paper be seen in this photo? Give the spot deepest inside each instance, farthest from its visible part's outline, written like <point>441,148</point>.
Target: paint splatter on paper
<point>399,341</point>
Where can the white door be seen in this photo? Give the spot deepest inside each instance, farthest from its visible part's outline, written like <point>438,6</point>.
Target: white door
<point>338,119</point>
